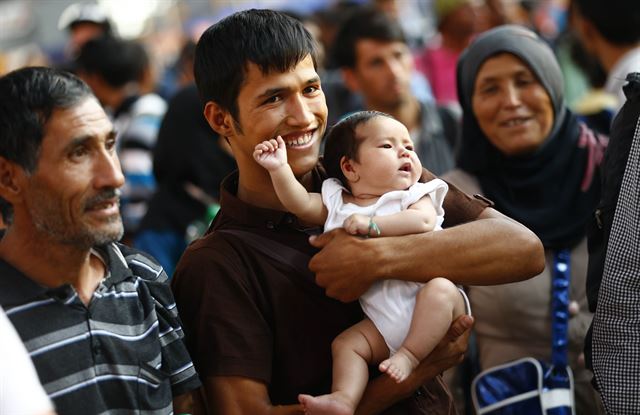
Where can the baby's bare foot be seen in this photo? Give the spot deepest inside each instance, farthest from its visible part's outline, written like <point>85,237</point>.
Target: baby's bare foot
<point>400,365</point>
<point>333,404</point>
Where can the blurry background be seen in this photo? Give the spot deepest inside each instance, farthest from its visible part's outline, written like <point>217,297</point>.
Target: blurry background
<point>29,31</point>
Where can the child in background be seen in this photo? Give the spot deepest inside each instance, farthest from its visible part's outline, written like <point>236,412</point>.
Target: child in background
<point>373,191</point>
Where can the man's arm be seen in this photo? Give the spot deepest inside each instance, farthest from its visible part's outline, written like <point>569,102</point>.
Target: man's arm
<point>183,404</point>
<point>232,395</point>
<point>493,249</point>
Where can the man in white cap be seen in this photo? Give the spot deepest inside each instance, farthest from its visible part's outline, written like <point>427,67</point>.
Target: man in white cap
<point>83,21</point>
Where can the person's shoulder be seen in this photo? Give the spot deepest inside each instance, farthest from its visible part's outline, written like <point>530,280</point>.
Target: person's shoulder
<point>434,185</point>
<point>217,261</point>
<point>418,190</point>
<point>151,280</point>
<point>427,175</point>
<point>140,263</point>
<point>149,104</point>
<point>214,251</point>
<point>331,186</point>
<point>463,181</point>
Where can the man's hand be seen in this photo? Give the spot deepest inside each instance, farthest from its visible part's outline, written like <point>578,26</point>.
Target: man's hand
<point>342,266</point>
<point>451,349</point>
<point>383,392</point>
<point>271,154</point>
<point>448,353</point>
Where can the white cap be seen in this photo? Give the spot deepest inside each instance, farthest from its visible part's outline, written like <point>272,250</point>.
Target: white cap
<point>83,12</point>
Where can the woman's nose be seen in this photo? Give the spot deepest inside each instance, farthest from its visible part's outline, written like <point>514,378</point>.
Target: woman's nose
<point>512,96</point>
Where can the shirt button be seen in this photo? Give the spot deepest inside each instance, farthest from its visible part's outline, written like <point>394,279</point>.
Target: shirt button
<point>270,225</point>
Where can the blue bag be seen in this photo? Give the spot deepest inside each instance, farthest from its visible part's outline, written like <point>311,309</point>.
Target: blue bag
<point>529,386</point>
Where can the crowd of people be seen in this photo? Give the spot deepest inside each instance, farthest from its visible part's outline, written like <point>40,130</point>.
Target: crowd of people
<point>322,213</point>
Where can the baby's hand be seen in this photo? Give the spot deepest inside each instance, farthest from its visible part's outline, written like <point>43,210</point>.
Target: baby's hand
<point>356,224</point>
<point>271,154</point>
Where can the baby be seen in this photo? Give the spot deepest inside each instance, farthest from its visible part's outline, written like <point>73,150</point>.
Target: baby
<point>373,191</point>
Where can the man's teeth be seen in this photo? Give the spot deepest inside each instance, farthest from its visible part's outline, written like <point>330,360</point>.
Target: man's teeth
<point>102,205</point>
<point>301,140</point>
<point>514,122</point>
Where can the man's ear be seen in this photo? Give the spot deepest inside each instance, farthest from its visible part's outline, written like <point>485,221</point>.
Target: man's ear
<point>219,119</point>
<point>350,79</point>
<point>10,183</point>
<point>347,167</point>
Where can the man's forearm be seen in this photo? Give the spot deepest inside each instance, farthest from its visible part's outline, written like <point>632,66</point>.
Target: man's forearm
<point>183,404</point>
<point>493,250</point>
<point>490,250</point>
<point>234,395</point>
<point>381,393</point>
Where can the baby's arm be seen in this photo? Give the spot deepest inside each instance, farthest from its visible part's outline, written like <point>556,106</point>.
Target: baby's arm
<point>272,155</point>
<point>418,218</point>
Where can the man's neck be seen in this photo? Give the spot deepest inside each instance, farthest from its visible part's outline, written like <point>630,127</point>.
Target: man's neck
<point>256,188</point>
<point>611,55</point>
<point>407,112</point>
<point>52,264</point>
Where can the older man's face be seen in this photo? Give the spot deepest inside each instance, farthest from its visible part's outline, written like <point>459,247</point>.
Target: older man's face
<point>73,195</point>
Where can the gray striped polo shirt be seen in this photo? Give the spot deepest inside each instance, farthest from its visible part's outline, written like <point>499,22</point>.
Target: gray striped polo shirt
<point>122,353</point>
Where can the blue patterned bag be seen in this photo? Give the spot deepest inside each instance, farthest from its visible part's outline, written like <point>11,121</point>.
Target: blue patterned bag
<point>529,386</point>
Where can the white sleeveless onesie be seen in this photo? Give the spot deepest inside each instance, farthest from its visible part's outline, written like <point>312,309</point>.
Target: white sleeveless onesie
<point>388,304</point>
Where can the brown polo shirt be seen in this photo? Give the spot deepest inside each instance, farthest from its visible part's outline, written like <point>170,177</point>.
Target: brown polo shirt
<point>250,314</point>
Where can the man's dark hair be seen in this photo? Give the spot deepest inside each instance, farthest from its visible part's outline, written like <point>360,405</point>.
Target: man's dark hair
<point>271,40</point>
<point>29,97</point>
<point>117,61</point>
<point>364,23</point>
<point>343,141</point>
<point>618,21</point>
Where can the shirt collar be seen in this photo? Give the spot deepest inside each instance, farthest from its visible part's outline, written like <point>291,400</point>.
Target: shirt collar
<point>17,288</point>
<point>117,268</point>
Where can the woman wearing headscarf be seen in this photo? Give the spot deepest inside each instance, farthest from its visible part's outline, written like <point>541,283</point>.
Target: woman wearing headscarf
<point>523,149</point>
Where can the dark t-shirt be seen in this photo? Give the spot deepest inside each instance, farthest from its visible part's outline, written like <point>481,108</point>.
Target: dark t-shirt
<point>247,314</point>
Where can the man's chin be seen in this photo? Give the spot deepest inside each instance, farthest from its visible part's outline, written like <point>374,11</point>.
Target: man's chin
<point>304,165</point>
<point>107,238</point>
<point>103,235</point>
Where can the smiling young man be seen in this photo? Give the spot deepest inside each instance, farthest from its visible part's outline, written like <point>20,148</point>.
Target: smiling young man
<point>95,316</point>
<point>258,326</point>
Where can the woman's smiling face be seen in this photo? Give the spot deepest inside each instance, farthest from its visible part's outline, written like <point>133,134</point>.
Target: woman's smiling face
<point>511,106</point>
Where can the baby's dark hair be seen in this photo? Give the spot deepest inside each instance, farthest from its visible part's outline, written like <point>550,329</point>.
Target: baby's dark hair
<point>342,141</point>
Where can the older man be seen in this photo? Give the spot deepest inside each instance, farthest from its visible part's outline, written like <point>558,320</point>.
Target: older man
<point>95,316</point>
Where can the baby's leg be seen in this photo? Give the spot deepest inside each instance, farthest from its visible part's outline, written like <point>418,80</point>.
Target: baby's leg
<point>438,304</point>
<point>353,350</point>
